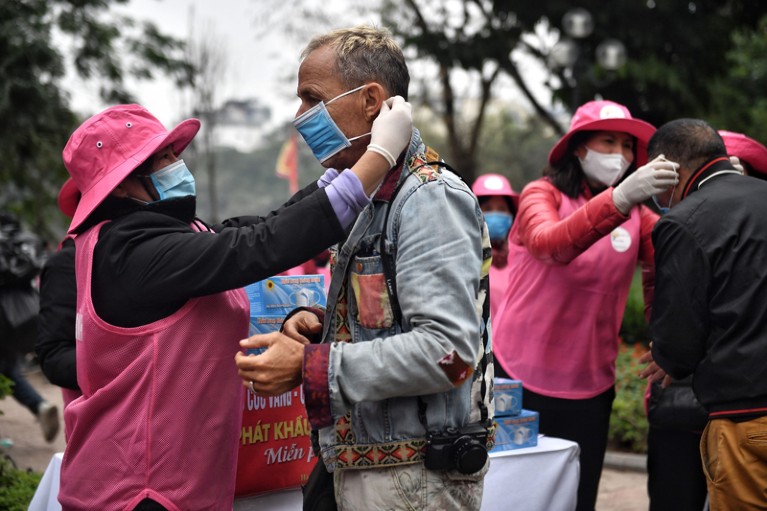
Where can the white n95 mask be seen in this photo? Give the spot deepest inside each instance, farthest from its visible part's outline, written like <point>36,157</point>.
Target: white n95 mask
<point>606,169</point>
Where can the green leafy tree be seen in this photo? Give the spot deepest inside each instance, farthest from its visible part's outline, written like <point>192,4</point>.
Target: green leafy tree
<point>469,42</point>
<point>740,97</point>
<point>39,40</point>
<point>677,52</point>
<point>685,58</point>
<point>474,39</point>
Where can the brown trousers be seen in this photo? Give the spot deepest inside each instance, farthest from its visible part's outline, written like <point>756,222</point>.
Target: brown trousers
<point>734,456</point>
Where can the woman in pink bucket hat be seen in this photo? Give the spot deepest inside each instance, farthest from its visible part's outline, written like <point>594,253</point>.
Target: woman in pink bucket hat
<point>578,235</point>
<point>752,154</point>
<point>499,205</point>
<point>161,309</point>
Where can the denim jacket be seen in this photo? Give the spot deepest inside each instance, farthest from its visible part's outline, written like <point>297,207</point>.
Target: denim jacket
<point>374,368</point>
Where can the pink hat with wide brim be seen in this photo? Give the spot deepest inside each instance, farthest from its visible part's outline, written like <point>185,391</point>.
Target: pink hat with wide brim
<point>604,115</point>
<point>109,146</point>
<point>495,184</point>
<point>69,197</point>
<point>746,149</point>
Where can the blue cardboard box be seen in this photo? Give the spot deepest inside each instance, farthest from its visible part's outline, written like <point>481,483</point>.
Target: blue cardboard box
<point>277,296</point>
<point>507,395</point>
<point>516,432</point>
<point>273,298</point>
<point>263,325</point>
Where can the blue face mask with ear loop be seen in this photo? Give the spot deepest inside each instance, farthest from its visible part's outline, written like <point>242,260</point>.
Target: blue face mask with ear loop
<point>321,133</point>
<point>173,181</point>
<point>664,209</point>
<point>498,224</point>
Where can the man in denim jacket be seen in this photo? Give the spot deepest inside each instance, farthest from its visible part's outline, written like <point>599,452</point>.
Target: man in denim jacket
<point>385,376</point>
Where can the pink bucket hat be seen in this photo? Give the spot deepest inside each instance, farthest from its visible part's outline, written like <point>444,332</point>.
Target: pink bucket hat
<point>746,149</point>
<point>605,115</point>
<point>495,184</point>
<point>68,198</point>
<point>109,146</point>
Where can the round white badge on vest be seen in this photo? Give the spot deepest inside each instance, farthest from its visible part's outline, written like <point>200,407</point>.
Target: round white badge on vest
<point>620,239</point>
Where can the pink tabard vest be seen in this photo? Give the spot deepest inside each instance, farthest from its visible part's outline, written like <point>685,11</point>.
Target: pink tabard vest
<point>499,283</point>
<point>557,328</point>
<point>161,407</point>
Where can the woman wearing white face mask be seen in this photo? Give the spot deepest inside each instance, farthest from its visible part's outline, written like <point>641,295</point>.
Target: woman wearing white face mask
<point>577,238</point>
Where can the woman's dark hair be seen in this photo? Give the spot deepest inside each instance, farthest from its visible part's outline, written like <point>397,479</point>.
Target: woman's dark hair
<point>145,168</point>
<point>567,174</point>
<point>484,198</point>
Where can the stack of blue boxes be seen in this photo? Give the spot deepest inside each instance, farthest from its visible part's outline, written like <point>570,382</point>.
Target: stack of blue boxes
<point>516,427</point>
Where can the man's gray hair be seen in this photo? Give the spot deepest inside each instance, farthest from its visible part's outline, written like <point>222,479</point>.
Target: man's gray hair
<point>365,54</point>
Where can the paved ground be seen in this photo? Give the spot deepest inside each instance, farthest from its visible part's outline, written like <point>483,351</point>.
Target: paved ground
<point>29,449</point>
<point>619,489</point>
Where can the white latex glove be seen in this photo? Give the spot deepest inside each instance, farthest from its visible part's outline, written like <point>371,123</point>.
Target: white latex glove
<point>735,162</point>
<point>392,129</point>
<point>648,180</point>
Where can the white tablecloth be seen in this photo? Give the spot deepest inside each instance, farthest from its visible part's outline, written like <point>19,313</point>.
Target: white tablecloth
<point>542,478</point>
<point>46,495</point>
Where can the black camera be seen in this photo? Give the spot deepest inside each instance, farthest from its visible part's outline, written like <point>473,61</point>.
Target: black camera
<point>461,449</point>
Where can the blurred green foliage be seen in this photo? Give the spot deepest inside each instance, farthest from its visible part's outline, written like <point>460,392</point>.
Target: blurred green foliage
<point>17,487</point>
<point>6,387</point>
<point>634,328</point>
<point>628,424</point>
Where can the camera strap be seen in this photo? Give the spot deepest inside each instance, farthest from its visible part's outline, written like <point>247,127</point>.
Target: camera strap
<point>390,275</point>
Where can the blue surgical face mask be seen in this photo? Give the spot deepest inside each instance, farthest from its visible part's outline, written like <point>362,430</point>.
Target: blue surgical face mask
<point>173,181</point>
<point>664,209</point>
<point>498,224</point>
<point>321,133</point>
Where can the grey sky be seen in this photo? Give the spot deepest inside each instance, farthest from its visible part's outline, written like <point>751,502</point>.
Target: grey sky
<point>256,65</point>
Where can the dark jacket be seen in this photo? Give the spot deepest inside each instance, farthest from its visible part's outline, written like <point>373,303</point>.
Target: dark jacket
<point>56,323</point>
<point>709,316</point>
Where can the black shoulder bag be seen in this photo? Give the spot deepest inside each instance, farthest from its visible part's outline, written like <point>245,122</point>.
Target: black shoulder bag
<point>319,490</point>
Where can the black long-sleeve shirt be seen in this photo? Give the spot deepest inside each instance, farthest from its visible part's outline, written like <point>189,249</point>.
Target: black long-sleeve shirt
<point>56,322</point>
<point>709,316</point>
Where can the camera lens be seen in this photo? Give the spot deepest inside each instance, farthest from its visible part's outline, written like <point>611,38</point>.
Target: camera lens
<point>469,455</point>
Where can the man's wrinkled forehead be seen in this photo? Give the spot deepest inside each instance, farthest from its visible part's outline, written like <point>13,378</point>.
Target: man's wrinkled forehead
<point>318,77</point>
